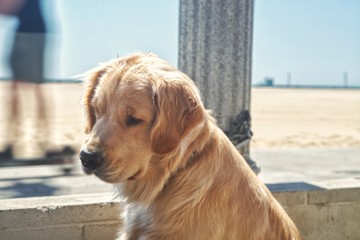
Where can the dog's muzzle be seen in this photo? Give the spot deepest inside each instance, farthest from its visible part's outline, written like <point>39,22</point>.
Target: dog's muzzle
<point>91,160</point>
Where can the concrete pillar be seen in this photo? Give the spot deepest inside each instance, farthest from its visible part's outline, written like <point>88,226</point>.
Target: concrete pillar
<point>215,46</point>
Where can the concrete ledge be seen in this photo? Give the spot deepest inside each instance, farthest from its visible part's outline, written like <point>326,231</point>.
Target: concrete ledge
<point>88,216</point>
<point>322,210</point>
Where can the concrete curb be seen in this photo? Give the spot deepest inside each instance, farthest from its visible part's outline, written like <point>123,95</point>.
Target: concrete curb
<point>86,216</point>
<point>321,210</point>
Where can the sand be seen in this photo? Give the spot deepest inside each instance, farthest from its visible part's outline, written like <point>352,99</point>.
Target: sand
<point>305,118</point>
<point>281,118</point>
<point>62,126</point>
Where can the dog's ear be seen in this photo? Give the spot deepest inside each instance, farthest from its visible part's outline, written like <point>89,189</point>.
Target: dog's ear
<point>91,80</point>
<point>178,110</point>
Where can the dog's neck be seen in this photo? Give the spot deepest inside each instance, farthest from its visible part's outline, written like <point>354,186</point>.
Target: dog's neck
<point>146,189</point>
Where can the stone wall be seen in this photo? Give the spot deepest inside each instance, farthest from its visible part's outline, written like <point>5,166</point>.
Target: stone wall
<point>76,217</point>
<point>324,210</point>
<point>327,210</point>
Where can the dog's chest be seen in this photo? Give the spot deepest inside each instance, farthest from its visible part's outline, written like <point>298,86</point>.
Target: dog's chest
<point>137,221</point>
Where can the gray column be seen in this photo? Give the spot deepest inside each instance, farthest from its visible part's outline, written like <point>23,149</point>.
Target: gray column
<point>215,43</point>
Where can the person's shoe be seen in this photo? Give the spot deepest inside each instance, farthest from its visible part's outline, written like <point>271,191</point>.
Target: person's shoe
<point>66,151</point>
<point>7,153</point>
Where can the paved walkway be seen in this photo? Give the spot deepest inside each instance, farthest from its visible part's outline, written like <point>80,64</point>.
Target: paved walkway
<point>278,166</point>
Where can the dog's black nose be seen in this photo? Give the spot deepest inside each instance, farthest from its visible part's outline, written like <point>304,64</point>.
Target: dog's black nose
<point>91,160</point>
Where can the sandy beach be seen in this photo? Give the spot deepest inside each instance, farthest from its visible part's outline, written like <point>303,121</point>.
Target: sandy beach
<point>281,118</point>
<point>305,118</point>
<point>300,135</point>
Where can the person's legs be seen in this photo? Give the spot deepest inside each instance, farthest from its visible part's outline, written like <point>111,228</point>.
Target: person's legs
<point>27,65</point>
<point>42,117</point>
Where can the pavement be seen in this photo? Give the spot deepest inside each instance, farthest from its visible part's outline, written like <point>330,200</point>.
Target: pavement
<point>278,166</point>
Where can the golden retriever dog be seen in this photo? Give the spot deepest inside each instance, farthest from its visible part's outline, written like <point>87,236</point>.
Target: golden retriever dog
<point>149,134</point>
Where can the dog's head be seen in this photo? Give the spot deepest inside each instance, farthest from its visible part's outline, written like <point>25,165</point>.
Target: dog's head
<point>136,108</point>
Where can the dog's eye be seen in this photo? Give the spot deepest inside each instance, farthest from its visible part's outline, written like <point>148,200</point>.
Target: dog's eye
<point>132,121</point>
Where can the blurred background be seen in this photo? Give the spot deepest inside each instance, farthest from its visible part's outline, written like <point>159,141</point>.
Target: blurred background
<point>305,70</point>
<point>307,42</point>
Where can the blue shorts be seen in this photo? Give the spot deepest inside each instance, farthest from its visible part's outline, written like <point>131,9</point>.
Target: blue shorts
<point>27,57</point>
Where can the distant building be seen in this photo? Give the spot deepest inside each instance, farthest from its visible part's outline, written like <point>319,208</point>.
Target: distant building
<point>269,82</point>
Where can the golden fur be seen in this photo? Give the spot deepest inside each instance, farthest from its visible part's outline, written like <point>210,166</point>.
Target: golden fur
<point>182,177</point>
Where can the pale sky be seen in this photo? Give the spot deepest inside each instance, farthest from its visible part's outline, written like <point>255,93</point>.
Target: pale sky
<point>317,41</point>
